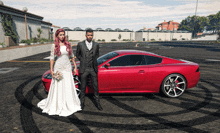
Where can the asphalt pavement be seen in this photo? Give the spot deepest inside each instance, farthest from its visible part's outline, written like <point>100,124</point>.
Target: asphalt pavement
<point>197,110</point>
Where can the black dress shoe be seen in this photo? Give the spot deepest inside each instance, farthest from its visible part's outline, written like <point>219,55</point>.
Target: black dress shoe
<point>99,106</point>
<point>82,107</point>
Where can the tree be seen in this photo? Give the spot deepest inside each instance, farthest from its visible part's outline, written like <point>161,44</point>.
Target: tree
<point>119,36</point>
<point>39,31</point>
<point>7,25</point>
<point>214,22</point>
<point>189,24</point>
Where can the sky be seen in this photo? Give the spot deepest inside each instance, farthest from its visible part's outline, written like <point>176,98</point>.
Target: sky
<point>123,14</point>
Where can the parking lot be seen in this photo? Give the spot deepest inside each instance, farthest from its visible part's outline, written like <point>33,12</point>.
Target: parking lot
<point>197,110</point>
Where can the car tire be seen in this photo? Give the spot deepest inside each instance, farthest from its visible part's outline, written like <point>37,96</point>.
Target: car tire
<point>173,85</point>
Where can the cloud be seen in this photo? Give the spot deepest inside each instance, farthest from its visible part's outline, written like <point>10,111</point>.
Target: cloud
<point>75,9</point>
<point>105,10</point>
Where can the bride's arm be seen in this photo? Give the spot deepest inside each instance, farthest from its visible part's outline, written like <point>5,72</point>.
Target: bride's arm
<point>74,63</point>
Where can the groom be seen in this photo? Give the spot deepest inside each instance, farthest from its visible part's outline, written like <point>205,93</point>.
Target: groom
<point>87,52</point>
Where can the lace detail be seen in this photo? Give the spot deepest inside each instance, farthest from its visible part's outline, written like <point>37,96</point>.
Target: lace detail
<point>52,52</point>
<point>72,55</point>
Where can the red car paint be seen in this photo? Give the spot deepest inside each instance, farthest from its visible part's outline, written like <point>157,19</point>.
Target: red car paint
<point>138,79</point>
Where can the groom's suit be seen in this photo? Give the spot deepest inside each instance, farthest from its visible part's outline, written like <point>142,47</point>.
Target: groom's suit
<point>88,66</point>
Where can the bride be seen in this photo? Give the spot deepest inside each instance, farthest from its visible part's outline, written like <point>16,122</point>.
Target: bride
<point>62,98</point>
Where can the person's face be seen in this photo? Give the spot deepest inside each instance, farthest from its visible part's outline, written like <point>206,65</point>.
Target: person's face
<point>89,36</point>
<point>61,36</point>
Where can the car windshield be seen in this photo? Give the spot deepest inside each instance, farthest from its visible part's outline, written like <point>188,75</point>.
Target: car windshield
<point>106,57</point>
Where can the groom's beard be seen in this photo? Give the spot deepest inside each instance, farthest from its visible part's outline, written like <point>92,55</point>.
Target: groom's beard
<point>89,39</point>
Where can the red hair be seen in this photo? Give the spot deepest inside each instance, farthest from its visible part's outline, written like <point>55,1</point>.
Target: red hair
<point>57,45</point>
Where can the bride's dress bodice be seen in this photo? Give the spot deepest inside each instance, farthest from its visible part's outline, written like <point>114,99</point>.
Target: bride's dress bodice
<point>62,63</point>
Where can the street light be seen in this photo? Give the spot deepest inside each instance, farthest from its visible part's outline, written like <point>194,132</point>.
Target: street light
<point>25,10</point>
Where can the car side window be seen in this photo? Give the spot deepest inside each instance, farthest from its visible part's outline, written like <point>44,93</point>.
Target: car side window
<point>150,60</point>
<point>128,60</point>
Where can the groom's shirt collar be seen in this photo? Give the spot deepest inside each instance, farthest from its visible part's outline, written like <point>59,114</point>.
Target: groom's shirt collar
<point>89,45</point>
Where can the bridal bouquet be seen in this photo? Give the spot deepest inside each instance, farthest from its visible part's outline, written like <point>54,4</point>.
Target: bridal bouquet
<point>58,76</point>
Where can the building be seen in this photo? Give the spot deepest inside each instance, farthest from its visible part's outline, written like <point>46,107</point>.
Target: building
<point>54,29</point>
<point>168,26</point>
<point>99,34</point>
<point>110,35</point>
<point>33,23</point>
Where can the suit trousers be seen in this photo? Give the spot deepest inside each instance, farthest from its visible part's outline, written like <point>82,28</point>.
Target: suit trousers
<point>89,71</point>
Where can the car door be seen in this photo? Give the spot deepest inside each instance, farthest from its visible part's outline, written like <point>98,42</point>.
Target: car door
<point>126,73</point>
<point>155,70</point>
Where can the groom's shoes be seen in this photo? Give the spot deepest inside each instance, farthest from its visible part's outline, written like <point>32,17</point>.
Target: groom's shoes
<point>82,106</point>
<point>99,106</point>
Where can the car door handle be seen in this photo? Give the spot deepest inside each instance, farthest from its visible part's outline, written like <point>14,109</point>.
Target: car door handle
<point>141,71</point>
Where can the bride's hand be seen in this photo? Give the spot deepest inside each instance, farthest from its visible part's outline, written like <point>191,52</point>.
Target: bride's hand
<point>75,71</point>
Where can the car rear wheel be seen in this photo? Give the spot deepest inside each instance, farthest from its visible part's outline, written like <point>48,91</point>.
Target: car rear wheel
<point>173,85</point>
<point>77,83</point>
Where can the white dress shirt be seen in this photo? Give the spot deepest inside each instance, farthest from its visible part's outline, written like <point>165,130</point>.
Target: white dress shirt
<point>89,45</point>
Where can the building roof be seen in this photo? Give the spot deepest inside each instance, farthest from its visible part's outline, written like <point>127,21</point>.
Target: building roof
<point>45,22</point>
<point>17,11</point>
<point>55,26</point>
<point>164,23</point>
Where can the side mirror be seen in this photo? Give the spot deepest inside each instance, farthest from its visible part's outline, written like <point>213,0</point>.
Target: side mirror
<point>107,65</point>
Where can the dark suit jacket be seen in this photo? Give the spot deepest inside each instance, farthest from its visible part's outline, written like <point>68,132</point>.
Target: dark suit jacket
<point>81,55</point>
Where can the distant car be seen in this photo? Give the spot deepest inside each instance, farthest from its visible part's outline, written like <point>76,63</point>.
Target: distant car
<point>133,71</point>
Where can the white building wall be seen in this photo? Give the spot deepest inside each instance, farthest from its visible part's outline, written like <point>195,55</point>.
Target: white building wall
<point>163,36</point>
<point>45,31</point>
<point>32,27</point>
<point>76,35</point>
<point>139,36</point>
<point>2,32</point>
<point>108,36</point>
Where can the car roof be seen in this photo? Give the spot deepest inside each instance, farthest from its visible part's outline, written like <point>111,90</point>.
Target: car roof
<point>127,52</point>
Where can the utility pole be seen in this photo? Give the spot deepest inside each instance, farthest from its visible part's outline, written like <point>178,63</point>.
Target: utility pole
<point>195,17</point>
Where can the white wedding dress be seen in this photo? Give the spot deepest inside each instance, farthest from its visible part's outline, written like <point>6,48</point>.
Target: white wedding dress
<point>62,98</point>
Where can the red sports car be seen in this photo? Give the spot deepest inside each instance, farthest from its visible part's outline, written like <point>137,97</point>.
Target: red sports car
<point>134,71</point>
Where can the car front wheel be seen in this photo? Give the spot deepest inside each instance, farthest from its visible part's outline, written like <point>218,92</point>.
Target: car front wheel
<point>173,85</point>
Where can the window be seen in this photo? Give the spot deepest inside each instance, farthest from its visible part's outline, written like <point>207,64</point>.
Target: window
<point>128,60</point>
<point>152,60</point>
<point>164,28</point>
<point>106,57</point>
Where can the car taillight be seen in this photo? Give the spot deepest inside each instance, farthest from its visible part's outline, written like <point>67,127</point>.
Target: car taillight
<point>197,70</point>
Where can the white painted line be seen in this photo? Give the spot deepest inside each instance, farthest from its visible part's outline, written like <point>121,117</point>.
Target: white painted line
<point>7,70</point>
<point>212,60</point>
<point>47,57</point>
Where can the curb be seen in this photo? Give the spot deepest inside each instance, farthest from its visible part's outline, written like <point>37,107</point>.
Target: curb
<point>11,54</point>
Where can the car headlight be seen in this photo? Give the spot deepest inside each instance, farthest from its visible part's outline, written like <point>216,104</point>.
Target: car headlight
<point>48,76</point>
